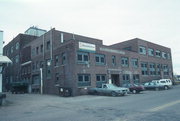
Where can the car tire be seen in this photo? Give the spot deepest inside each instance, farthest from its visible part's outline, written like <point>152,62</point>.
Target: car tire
<point>114,94</point>
<point>134,91</point>
<point>166,87</point>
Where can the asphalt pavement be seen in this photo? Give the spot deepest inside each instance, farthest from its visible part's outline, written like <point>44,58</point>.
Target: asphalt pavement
<point>147,106</point>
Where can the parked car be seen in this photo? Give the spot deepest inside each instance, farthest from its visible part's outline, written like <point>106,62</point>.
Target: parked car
<point>134,88</point>
<point>109,89</point>
<point>167,83</point>
<point>152,86</point>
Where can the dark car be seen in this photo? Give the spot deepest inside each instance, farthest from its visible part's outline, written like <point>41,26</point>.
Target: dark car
<point>134,88</point>
<point>152,86</point>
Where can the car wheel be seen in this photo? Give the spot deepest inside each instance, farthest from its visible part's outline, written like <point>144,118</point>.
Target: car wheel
<point>134,91</point>
<point>114,94</point>
<point>157,89</point>
<point>166,87</point>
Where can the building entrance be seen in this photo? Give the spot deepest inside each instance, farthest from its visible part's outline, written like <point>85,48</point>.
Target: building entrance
<point>115,79</point>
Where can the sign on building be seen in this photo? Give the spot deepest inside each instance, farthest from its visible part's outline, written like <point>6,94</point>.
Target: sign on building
<point>87,46</point>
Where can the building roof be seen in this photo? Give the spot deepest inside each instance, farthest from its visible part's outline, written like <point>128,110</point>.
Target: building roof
<point>4,59</point>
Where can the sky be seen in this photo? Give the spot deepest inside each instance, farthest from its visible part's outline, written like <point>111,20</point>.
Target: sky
<point>112,21</point>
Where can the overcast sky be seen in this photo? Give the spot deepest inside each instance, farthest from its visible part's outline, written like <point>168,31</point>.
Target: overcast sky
<point>112,21</point>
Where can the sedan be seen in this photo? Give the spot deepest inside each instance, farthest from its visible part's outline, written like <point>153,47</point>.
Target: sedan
<point>152,86</point>
<point>134,88</point>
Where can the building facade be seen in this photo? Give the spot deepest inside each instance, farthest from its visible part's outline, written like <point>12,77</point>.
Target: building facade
<point>59,60</point>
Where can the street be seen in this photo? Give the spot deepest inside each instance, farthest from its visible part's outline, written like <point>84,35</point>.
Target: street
<point>147,106</point>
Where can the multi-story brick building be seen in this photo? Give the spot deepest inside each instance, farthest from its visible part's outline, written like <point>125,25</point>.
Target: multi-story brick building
<point>60,59</point>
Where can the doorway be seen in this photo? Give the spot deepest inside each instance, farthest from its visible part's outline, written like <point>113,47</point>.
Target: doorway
<point>115,79</point>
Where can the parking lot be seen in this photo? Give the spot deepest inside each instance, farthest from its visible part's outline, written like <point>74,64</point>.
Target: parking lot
<point>147,106</point>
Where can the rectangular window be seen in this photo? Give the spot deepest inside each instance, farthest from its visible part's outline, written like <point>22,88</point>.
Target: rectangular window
<point>113,60</point>
<point>164,55</point>
<point>48,45</point>
<point>144,68</point>
<point>158,68</point>
<point>152,69</point>
<point>84,80</point>
<point>136,78</point>
<point>56,78</point>
<point>41,49</point>
<point>63,58</point>
<point>100,59</point>
<point>124,61</point>
<point>134,62</point>
<point>142,50</point>
<point>168,56</point>
<point>158,53</point>
<point>12,49</point>
<point>17,45</point>
<point>56,60</point>
<point>37,50</point>
<point>126,79</point>
<point>17,59</point>
<point>37,65</point>
<point>82,57</point>
<point>150,52</point>
<point>100,79</point>
<point>48,68</point>
<point>165,69</point>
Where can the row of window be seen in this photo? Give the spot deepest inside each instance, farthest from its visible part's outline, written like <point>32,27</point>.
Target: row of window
<point>16,47</point>
<point>152,52</point>
<point>85,79</point>
<point>83,57</point>
<point>154,69</point>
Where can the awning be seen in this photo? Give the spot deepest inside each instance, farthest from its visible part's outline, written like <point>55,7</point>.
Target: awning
<point>4,59</point>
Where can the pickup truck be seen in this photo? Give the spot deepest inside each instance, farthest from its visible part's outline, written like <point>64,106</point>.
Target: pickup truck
<point>109,89</point>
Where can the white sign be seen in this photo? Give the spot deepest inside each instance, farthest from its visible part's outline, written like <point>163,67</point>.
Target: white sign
<point>87,46</point>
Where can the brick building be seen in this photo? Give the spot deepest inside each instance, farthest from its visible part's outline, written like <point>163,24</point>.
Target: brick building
<point>60,59</point>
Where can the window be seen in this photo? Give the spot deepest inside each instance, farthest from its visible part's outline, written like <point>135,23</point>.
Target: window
<point>84,80</point>
<point>144,68</point>
<point>134,62</point>
<point>56,78</point>
<point>152,70</point>
<point>56,60</point>
<point>136,78</point>
<point>126,79</point>
<point>41,49</point>
<point>63,58</point>
<point>158,53</point>
<point>100,79</point>
<point>37,50</point>
<point>37,65</point>
<point>48,45</point>
<point>113,60</point>
<point>41,64</point>
<point>150,52</point>
<point>17,45</point>
<point>48,68</point>
<point>33,52</point>
<point>33,66</point>
<point>165,69</point>
<point>82,57</point>
<point>100,59</point>
<point>158,68</point>
<point>168,56</point>
<point>164,55</point>
<point>124,61</point>
<point>17,58</point>
<point>142,50</point>
<point>12,49</point>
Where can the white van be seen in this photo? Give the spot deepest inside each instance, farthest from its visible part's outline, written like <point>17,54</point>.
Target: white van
<point>167,83</point>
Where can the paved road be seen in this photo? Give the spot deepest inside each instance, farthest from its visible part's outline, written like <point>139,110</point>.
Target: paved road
<point>147,106</point>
